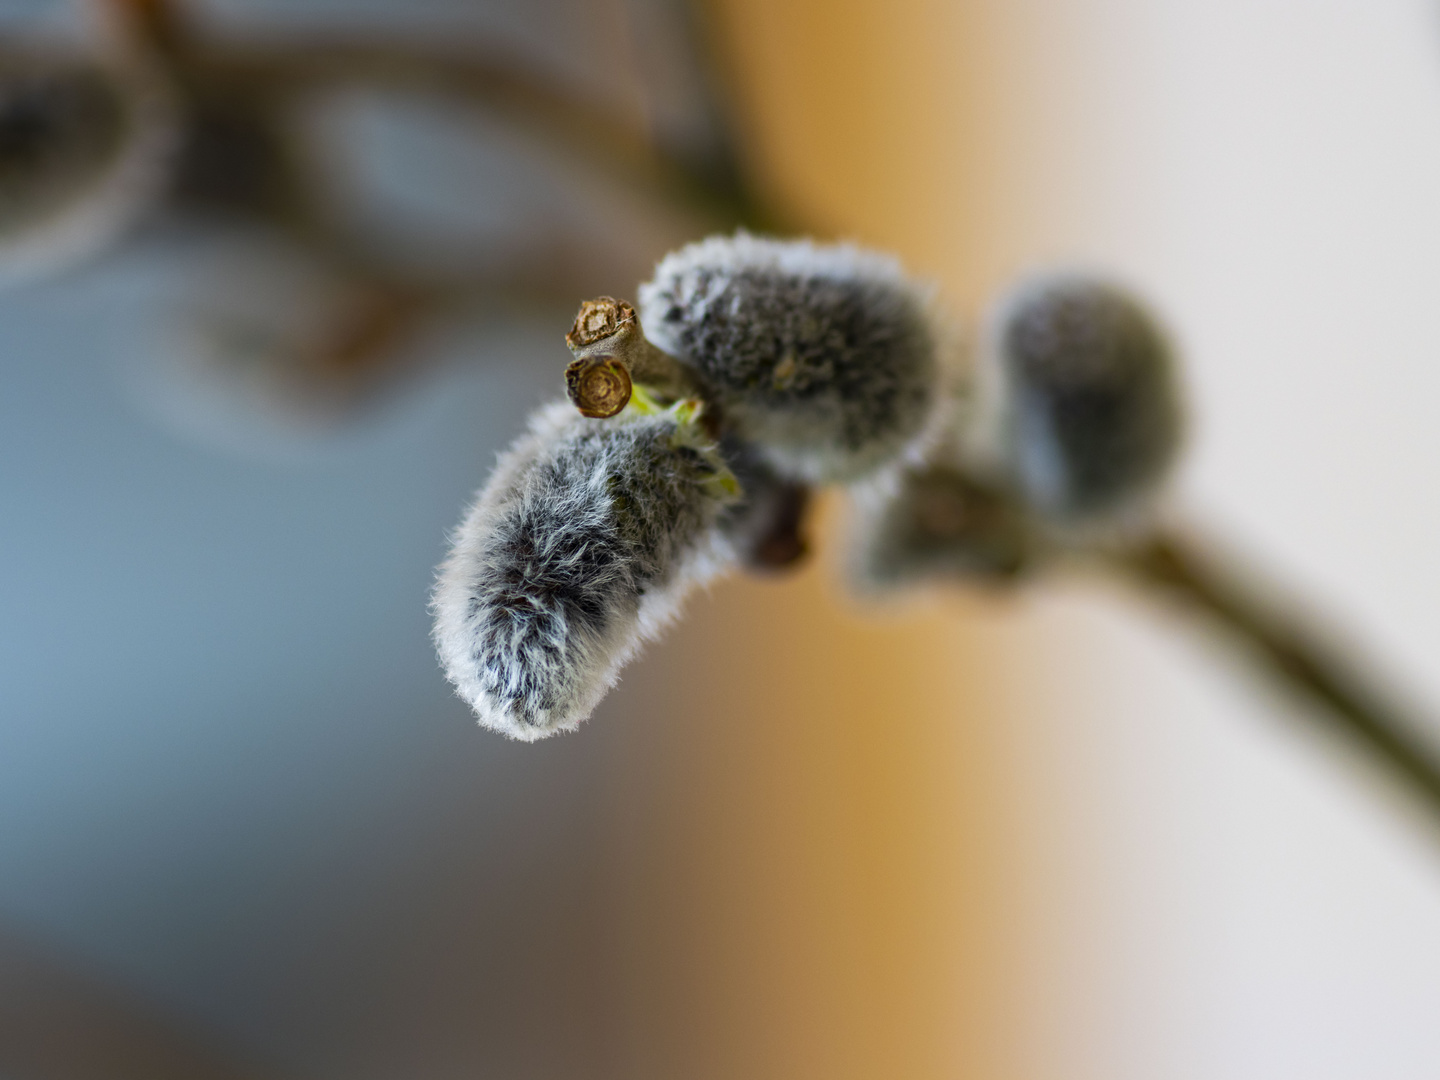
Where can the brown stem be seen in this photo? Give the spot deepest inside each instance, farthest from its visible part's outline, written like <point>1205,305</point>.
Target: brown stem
<point>610,351</point>
<point>570,123</point>
<point>1295,657</point>
<point>255,86</point>
<point>238,154</point>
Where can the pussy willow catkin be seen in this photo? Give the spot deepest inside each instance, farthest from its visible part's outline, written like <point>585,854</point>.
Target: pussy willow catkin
<point>1079,393</point>
<point>580,547</point>
<point>825,357</point>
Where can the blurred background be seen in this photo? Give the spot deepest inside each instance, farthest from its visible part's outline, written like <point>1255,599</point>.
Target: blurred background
<point>245,831</point>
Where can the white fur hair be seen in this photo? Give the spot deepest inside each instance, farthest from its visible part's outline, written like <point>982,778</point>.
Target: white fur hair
<point>580,548</point>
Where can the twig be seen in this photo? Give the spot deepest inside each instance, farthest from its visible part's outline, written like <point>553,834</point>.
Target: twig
<point>281,73</point>
<point>604,137</point>
<point>1293,655</point>
<point>239,153</point>
<point>611,353</point>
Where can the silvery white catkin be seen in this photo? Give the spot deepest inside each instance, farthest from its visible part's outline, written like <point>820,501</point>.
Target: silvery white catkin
<point>823,356</point>
<point>85,147</point>
<point>580,547</point>
<point>1079,389</point>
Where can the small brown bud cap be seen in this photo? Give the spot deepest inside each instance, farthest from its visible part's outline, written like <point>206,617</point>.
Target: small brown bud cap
<point>599,387</point>
<point>599,319</point>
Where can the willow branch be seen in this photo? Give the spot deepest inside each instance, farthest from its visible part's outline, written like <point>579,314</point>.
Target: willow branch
<point>570,122</point>
<point>254,88</point>
<point>1294,656</point>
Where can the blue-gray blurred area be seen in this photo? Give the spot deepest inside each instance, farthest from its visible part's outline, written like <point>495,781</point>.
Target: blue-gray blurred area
<point>237,799</point>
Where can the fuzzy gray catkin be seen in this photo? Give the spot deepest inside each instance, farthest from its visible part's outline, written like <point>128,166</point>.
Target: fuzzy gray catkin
<point>1079,389</point>
<point>824,357</point>
<point>916,523</point>
<point>85,146</point>
<point>580,547</point>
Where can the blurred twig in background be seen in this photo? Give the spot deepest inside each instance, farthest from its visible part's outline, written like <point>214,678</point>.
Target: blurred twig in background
<point>242,155</point>
<point>1295,654</point>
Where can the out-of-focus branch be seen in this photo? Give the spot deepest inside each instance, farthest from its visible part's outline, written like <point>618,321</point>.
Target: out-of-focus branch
<point>1293,654</point>
<point>278,74</point>
<point>603,137</point>
<point>238,155</point>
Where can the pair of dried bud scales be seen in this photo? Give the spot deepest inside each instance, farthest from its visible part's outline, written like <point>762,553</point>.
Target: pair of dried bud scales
<point>770,367</point>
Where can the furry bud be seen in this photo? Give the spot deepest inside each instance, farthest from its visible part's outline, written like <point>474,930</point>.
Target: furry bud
<point>84,148</point>
<point>580,547</point>
<point>825,357</point>
<point>916,523</point>
<point>1079,390</point>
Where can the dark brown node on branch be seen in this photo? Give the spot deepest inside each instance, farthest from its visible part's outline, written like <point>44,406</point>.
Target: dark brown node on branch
<point>782,544</point>
<point>598,386</point>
